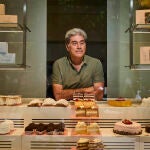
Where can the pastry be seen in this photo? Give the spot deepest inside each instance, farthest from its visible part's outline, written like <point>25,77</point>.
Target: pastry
<point>81,128</point>
<point>127,127</point>
<point>147,128</point>
<point>93,129</point>
<point>49,102</point>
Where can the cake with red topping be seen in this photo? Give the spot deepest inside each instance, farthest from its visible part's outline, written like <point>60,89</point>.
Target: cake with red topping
<point>120,102</point>
<point>127,127</point>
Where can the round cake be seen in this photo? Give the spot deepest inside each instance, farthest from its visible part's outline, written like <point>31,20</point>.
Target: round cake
<point>127,127</point>
<point>6,126</point>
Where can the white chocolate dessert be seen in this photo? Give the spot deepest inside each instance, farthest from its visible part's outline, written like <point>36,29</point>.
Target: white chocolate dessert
<point>35,103</point>
<point>6,126</point>
<point>62,103</point>
<point>127,127</point>
<point>49,102</point>
<point>145,102</point>
<point>81,128</point>
<point>93,129</point>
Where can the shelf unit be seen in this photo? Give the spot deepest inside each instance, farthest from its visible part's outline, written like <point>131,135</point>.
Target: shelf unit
<point>22,115</point>
<point>139,37</point>
<point>14,34</point>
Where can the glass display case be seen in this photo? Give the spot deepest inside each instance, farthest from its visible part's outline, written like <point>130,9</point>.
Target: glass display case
<point>13,34</point>
<point>139,34</point>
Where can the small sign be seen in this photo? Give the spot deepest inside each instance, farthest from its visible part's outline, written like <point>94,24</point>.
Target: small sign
<point>8,58</point>
<point>145,55</point>
<point>143,16</point>
<point>3,47</point>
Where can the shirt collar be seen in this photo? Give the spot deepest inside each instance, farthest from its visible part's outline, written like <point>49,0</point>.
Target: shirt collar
<point>84,60</point>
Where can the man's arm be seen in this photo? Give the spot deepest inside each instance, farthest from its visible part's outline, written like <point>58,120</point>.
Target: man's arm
<point>60,93</point>
<point>99,90</point>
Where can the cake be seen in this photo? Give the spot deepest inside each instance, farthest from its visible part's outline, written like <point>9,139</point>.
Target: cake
<point>77,96</point>
<point>146,102</point>
<point>95,144</point>
<point>147,128</point>
<point>82,144</point>
<point>84,103</point>
<point>88,96</point>
<point>10,100</point>
<point>6,126</point>
<point>35,103</point>
<point>2,100</point>
<point>80,112</point>
<point>93,129</point>
<point>120,102</point>
<point>127,127</point>
<point>59,128</point>
<point>29,129</point>
<point>41,129</point>
<point>50,128</point>
<point>62,103</point>
<point>11,124</point>
<point>49,102</point>
<point>81,128</point>
<point>92,112</point>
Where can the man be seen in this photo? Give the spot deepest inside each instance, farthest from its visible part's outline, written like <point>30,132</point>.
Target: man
<point>77,72</point>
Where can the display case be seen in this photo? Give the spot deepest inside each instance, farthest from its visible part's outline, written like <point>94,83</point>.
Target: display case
<point>13,34</point>
<point>139,34</point>
<point>22,115</point>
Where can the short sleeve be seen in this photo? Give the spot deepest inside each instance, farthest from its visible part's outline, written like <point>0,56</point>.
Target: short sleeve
<point>98,72</point>
<point>56,74</point>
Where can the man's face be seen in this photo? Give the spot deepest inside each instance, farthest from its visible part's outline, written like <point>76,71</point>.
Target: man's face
<point>77,46</point>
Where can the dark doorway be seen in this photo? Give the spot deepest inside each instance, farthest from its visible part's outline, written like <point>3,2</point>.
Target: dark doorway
<point>63,15</point>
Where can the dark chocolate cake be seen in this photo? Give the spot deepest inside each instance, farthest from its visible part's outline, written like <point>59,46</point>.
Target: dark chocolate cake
<point>147,128</point>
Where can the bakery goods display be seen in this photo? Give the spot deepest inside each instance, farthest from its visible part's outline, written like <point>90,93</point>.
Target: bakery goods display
<point>120,102</point>
<point>145,102</point>
<point>10,100</point>
<point>93,129</point>
<point>127,127</point>
<point>6,126</point>
<point>147,128</point>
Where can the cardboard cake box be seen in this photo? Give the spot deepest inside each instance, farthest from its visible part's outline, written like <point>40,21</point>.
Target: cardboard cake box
<point>2,9</point>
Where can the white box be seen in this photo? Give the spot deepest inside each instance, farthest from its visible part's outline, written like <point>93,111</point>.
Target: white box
<point>2,9</point>
<point>3,47</point>
<point>145,55</point>
<point>143,16</point>
<point>8,58</point>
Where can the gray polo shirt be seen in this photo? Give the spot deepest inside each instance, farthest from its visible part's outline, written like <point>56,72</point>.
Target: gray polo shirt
<point>65,74</point>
